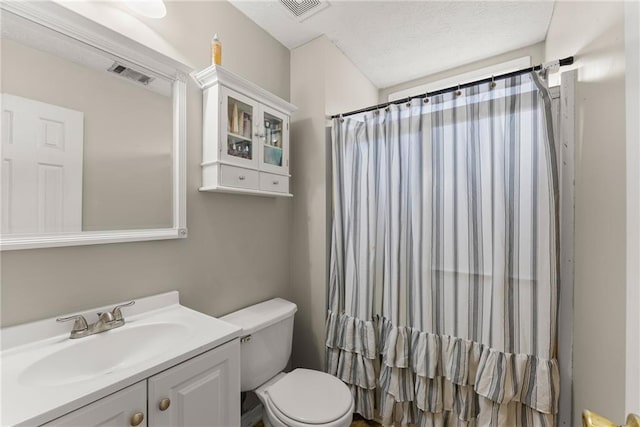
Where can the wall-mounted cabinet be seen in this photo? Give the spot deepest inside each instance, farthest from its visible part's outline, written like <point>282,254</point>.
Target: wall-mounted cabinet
<point>245,147</point>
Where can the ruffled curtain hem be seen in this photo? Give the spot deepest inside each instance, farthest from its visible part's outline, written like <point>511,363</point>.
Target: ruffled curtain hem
<point>423,374</point>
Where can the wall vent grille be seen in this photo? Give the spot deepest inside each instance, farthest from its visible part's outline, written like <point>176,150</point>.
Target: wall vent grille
<point>130,73</point>
<point>303,9</point>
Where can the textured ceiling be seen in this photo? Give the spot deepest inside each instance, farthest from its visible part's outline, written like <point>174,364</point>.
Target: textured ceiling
<point>392,42</point>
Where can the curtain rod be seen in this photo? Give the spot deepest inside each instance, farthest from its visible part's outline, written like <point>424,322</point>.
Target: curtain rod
<point>546,65</point>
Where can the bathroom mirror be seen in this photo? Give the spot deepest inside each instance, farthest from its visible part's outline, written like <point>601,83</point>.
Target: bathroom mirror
<point>93,133</point>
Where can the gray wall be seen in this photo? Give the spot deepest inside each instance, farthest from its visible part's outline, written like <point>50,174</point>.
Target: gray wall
<point>237,252</point>
<point>323,82</point>
<point>594,33</point>
<point>632,83</point>
<point>536,52</point>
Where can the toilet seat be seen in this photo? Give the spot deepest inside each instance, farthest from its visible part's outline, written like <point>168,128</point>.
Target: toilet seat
<point>275,418</point>
<point>305,397</point>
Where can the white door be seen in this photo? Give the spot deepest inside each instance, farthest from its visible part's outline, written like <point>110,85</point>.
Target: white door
<point>121,409</point>
<point>41,167</point>
<point>204,391</point>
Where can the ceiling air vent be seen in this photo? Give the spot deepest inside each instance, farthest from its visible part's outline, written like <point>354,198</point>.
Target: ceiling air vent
<point>130,73</point>
<point>303,9</point>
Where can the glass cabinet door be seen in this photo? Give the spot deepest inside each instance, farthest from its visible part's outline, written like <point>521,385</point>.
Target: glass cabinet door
<point>274,142</point>
<point>239,113</point>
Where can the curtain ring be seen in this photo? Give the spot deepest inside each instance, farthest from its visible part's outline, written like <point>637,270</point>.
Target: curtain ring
<point>408,101</point>
<point>493,83</point>
<point>458,92</point>
<point>387,109</point>
<point>426,98</point>
<point>341,119</point>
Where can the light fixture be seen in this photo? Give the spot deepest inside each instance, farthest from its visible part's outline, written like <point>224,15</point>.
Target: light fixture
<point>148,8</point>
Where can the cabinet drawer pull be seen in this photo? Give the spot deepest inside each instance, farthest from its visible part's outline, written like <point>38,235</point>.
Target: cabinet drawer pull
<point>137,419</point>
<point>241,177</point>
<point>276,182</point>
<point>164,404</point>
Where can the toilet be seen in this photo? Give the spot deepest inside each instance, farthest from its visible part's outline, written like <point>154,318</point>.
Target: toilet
<point>300,398</point>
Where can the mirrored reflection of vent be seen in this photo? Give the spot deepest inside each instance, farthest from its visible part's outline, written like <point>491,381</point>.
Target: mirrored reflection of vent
<point>130,74</point>
<point>303,9</point>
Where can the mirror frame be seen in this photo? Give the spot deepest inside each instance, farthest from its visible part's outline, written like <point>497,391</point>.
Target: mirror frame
<point>68,23</point>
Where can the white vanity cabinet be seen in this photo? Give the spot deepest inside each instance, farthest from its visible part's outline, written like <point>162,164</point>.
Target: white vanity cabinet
<point>202,391</point>
<point>245,136</point>
<point>123,408</point>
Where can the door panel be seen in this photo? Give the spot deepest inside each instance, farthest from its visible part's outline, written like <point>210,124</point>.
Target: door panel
<point>204,391</point>
<point>42,147</point>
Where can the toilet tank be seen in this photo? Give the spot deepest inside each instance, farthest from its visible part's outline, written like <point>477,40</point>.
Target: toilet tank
<point>267,332</point>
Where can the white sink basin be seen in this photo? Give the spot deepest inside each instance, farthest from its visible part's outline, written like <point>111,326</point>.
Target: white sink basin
<point>102,354</point>
<point>45,374</point>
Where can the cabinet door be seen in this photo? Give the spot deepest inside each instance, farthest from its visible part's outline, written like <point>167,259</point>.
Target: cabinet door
<point>203,391</point>
<point>274,141</point>
<point>238,129</point>
<point>121,409</point>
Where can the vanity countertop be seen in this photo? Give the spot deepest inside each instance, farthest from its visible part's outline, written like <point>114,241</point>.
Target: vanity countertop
<point>45,374</point>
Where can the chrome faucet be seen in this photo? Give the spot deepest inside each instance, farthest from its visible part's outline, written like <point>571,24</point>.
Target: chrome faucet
<point>106,321</point>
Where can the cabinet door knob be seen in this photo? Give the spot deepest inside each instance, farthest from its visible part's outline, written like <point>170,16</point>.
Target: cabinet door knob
<point>276,182</point>
<point>164,404</point>
<point>241,177</point>
<point>137,419</point>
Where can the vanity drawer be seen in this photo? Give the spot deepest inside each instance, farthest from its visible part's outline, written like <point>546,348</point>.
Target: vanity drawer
<point>231,176</point>
<point>274,183</point>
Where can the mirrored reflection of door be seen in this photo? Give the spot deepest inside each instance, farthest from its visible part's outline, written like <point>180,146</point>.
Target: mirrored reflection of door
<point>273,142</point>
<point>42,146</point>
<point>239,128</point>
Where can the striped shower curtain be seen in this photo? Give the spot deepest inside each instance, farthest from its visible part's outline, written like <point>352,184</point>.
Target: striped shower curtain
<point>444,270</point>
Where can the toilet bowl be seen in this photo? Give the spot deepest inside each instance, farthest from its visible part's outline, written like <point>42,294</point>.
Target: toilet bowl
<point>300,398</point>
<point>305,397</point>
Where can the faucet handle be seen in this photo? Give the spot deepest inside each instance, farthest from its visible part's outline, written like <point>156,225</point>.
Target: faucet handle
<point>80,323</point>
<point>106,317</point>
<point>117,313</point>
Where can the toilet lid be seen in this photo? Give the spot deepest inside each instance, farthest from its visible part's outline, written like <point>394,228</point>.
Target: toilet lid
<point>310,397</point>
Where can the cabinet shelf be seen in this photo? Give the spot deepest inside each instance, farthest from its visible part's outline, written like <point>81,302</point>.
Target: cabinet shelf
<point>239,137</point>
